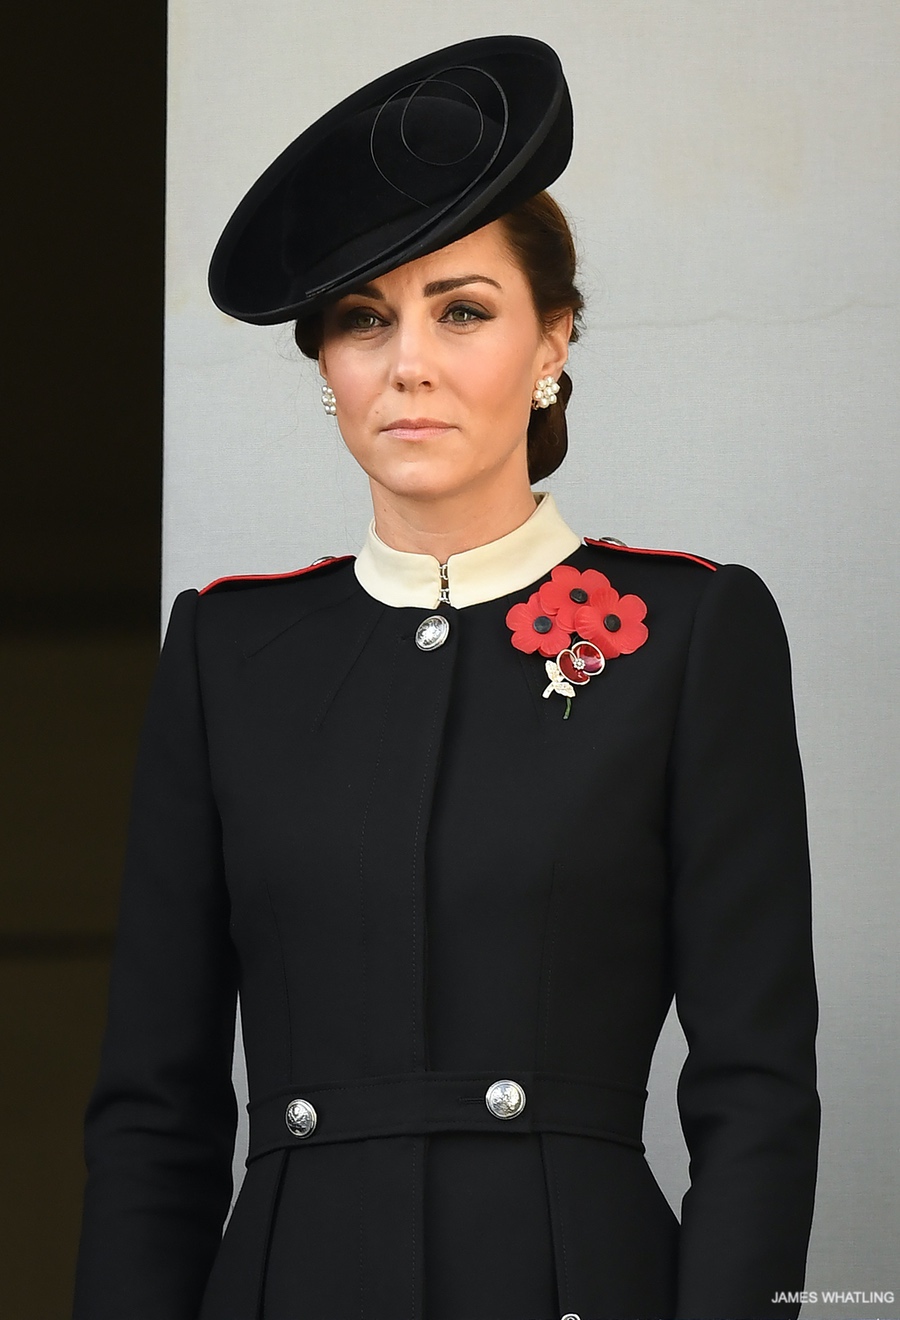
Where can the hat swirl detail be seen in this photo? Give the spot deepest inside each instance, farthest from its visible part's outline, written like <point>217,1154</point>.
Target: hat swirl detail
<point>423,134</point>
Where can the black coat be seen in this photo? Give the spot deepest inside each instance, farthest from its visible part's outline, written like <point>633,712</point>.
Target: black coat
<point>423,879</point>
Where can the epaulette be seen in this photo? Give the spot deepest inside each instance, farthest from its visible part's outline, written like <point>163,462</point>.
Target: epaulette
<point>611,543</point>
<point>238,580</point>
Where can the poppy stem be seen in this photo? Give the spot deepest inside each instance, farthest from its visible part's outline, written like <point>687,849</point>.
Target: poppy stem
<point>568,707</point>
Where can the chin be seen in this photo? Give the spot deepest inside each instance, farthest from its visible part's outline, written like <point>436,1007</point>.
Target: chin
<point>424,481</point>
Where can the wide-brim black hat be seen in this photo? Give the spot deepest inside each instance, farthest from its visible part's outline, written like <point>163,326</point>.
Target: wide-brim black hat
<point>413,161</point>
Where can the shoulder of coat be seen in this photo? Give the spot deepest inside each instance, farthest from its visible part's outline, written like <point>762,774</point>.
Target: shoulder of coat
<point>239,580</point>
<point>611,543</point>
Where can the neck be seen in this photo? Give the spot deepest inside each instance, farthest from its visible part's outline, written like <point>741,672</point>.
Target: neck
<point>449,526</point>
<point>485,571</point>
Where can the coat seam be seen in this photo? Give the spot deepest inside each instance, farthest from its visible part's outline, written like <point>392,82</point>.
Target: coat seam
<point>553,1188</point>
<point>362,870</point>
<point>418,1019</point>
<point>259,1307</point>
<point>413,1218</point>
<point>254,647</point>
<point>562,1239</point>
<point>360,1258</point>
<point>362,638</point>
<point>559,1238</point>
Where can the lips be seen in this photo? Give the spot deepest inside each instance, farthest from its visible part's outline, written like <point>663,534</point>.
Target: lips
<point>416,428</point>
<point>415,424</point>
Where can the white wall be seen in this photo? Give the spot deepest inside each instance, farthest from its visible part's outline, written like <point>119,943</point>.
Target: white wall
<point>734,188</point>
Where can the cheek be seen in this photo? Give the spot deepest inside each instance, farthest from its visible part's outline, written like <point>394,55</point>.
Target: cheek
<point>354,385</point>
<point>498,380</point>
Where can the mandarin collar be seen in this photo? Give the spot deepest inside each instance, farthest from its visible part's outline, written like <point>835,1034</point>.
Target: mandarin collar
<point>486,572</point>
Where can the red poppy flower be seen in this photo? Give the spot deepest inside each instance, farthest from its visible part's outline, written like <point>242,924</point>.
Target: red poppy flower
<point>567,591</point>
<point>580,662</point>
<point>533,629</point>
<point>612,622</point>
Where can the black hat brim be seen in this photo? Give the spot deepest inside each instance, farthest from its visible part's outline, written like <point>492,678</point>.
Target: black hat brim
<point>357,193</point>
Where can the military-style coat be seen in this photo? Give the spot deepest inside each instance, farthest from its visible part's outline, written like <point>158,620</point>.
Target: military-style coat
<point>424,879</point>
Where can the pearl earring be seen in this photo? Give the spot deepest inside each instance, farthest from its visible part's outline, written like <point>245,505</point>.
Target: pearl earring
<point>328,400</point>
<point>545,392</point>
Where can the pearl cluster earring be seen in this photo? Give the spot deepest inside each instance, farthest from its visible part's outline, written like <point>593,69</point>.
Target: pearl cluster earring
<point>328,400</point>
<point>545,392</point>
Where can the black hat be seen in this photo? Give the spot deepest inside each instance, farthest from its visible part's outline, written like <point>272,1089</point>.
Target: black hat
<point>411,162</point>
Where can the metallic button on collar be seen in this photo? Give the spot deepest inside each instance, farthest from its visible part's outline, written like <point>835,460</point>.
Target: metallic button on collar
<point>505,1099</point>
<point>432,632</point>
<point>300,1118</point>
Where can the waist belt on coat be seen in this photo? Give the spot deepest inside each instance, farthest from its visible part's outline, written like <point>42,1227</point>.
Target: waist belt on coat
<point>421,1103</point>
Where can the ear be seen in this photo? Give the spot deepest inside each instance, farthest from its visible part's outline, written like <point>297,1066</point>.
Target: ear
<point>556,345</point>
<point>322,371</point>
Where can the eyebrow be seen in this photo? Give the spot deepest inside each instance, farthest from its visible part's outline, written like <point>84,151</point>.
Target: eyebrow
<point>431,290</point>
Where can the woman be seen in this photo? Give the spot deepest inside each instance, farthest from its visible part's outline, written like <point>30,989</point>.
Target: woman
<point>457,815</point>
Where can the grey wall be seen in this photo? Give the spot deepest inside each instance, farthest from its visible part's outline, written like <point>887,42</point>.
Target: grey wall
<point>734,189</point>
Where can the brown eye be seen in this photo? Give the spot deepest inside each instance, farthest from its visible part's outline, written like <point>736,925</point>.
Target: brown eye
<point>463,314</point>
<point>360,319</point>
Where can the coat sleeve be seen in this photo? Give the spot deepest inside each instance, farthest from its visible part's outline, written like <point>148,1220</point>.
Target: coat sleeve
<point>161,1120</point>
<point>745,988</point>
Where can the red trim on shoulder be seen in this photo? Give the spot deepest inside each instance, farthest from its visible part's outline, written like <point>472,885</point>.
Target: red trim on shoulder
<point>268,577</point>
<point>639,550</point>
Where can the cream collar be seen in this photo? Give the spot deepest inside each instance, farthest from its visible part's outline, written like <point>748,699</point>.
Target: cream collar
<point>514,561</point>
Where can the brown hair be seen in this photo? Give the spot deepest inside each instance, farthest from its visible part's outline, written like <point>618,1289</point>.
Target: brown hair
<point>539,239</point>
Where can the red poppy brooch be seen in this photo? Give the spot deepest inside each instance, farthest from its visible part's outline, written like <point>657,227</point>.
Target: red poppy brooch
<point>579,621</point>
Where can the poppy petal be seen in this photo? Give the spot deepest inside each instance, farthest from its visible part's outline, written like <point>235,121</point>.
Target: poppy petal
<point>632,607</point>
<point>567,664</point>
<point>635,634</point>
<point>554,641</point>
<point>527,640</point>
<point>518,616</point>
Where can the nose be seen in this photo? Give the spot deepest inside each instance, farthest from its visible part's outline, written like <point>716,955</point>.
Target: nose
<point>413,366</point>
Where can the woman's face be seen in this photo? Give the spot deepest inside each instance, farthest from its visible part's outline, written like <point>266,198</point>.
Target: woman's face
<point>433,367</point>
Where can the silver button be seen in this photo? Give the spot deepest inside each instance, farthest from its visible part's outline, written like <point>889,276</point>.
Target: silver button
<point>432,632</point>
<point>300,1118</point>
<point>505,1099</point>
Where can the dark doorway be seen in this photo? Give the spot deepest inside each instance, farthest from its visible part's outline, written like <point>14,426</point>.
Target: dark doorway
<point>79,578</point>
